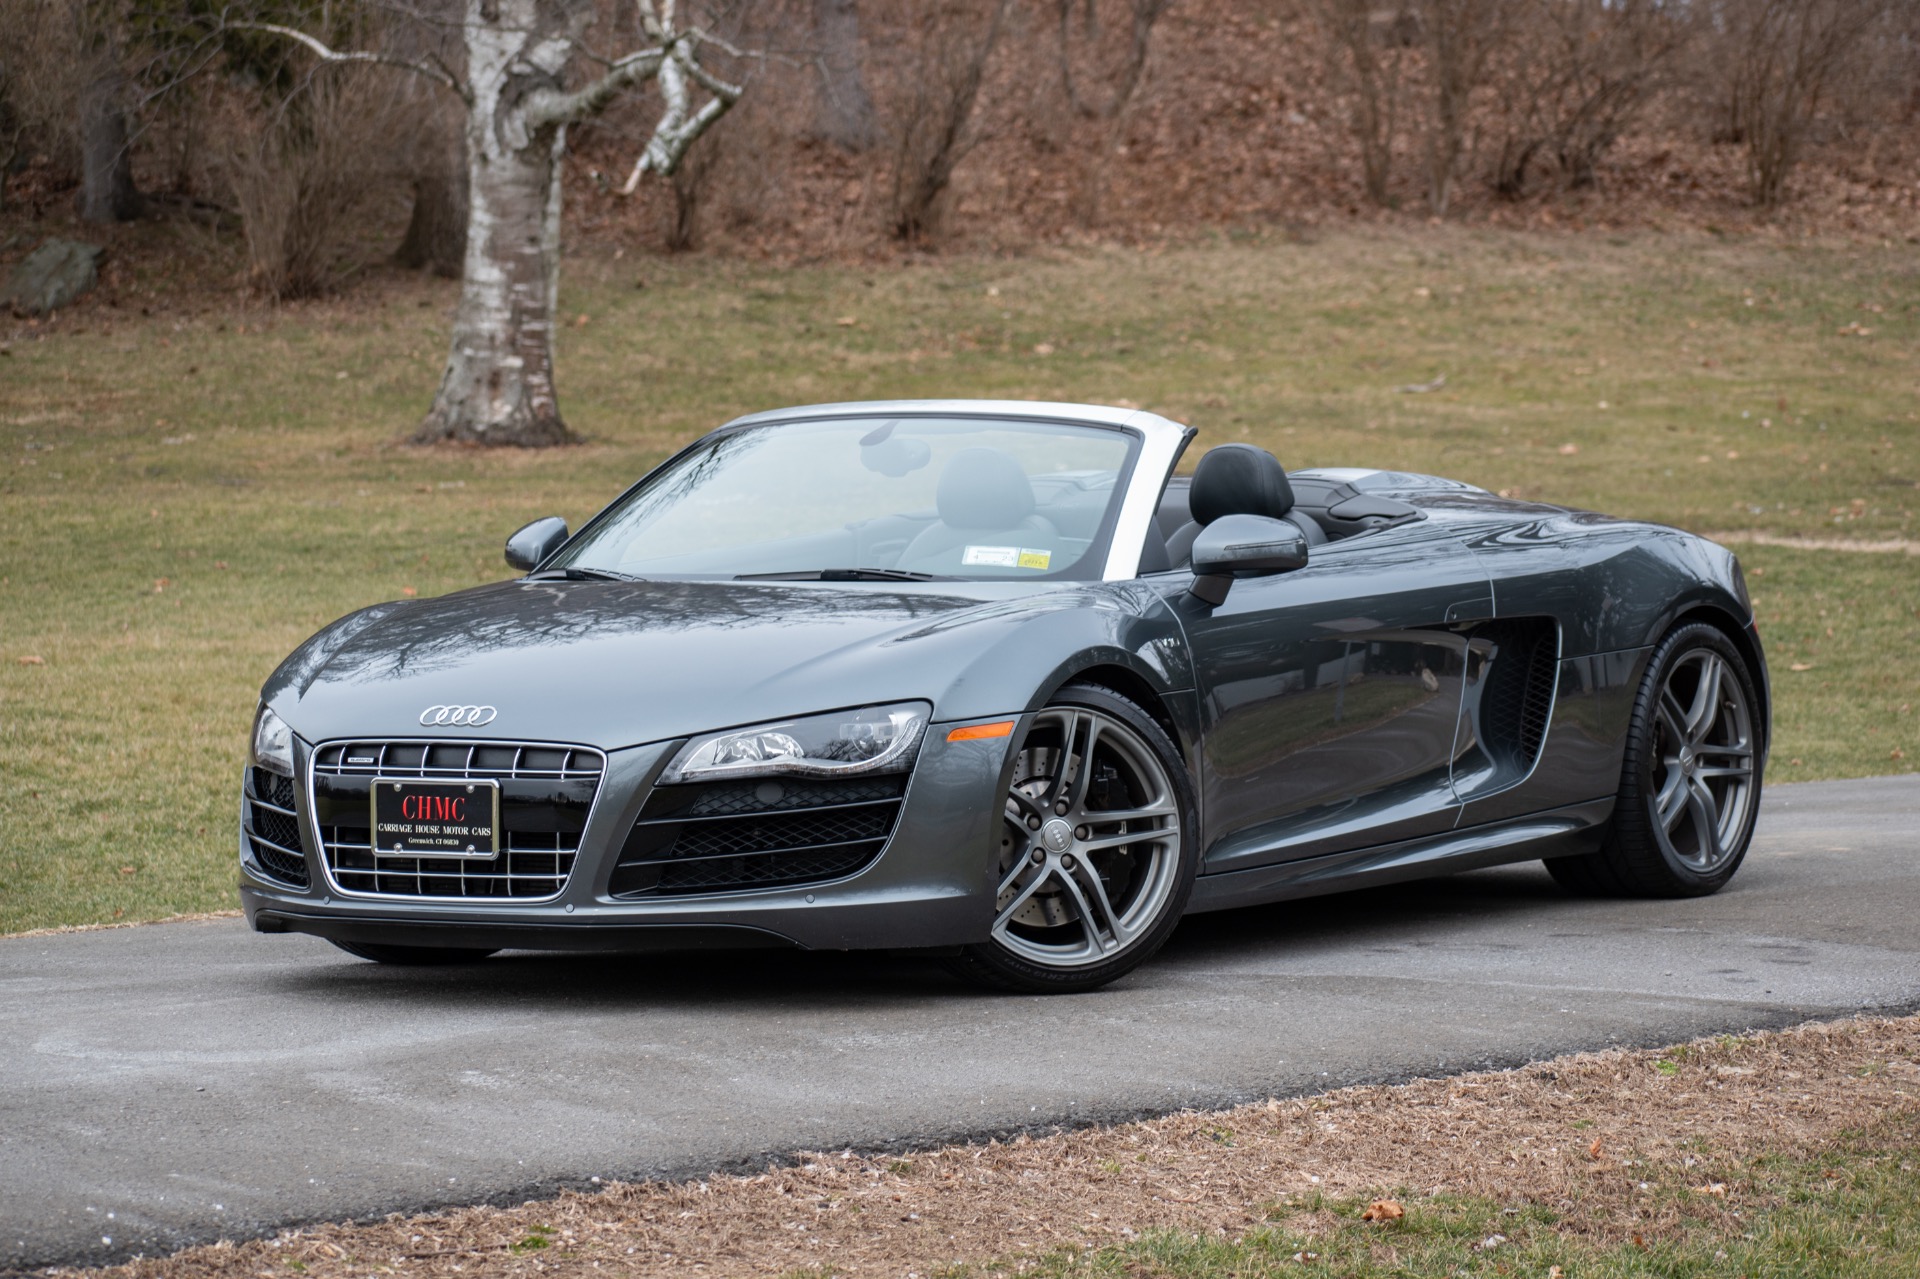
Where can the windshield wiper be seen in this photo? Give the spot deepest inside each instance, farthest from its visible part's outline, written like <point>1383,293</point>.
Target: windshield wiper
<point>844,575</point>
<point>574,573</point>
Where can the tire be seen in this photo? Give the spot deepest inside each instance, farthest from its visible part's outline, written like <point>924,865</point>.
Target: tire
<point>1096,863</point>
<point>1690,782</point>
<point>381,953</point>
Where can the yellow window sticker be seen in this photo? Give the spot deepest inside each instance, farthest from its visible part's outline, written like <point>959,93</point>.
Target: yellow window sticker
<point>1035,559</point>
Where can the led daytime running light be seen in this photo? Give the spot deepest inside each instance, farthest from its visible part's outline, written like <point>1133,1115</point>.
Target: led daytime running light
<point>873,739</point>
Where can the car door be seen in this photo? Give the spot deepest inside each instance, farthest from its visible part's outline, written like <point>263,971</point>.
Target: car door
<point>1331,696</point>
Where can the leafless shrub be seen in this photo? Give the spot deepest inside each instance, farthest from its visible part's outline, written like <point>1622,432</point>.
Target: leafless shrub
<point>42,77</point>
<point>1778,62</point>
<point>1577,73</point>
<point>300,174</point>
<point>933,125</point>
<point>1367,44</point>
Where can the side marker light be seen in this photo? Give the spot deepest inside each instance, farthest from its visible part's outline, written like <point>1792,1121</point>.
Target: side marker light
<point>975,732</point>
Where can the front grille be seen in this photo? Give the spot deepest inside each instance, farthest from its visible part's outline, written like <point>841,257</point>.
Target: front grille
<point>546,793</point>
<point>728,836</point>
<point>272,830</point>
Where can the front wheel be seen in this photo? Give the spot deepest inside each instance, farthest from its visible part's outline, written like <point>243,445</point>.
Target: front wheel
<point>381,953</point>
<point>1097,851</point>
<point>1690,785</point>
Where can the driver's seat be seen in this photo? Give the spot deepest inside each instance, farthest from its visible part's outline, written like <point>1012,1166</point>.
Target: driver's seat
<point>1238,479</point>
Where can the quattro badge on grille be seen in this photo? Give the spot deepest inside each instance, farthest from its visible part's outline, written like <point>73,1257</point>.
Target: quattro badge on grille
<point>457,716</point>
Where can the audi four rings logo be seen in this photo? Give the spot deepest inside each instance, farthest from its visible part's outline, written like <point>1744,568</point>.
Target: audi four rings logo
<point>457,716</point>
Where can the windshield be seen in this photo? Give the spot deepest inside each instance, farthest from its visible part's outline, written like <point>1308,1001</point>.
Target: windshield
<point>901,497</point>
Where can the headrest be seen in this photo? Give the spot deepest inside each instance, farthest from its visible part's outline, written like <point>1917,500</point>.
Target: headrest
<point>1239,479</point>
<point>983,488</point>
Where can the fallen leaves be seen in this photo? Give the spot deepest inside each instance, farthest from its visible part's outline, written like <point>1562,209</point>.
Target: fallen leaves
<point>1801,666</point>
<point>1854,330</point>
<point>31,660</point>
<point>1383,1210</point>
<point>1593,1151</point>
<point>1568,450</point>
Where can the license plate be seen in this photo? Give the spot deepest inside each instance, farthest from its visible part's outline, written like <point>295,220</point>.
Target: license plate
<point>436,819</point>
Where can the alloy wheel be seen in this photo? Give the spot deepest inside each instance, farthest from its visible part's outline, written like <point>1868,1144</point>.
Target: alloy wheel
<point>1703,760</point>
<point>1090,853</point>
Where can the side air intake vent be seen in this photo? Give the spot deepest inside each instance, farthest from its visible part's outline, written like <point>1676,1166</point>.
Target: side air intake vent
<point>730,836</point>
<point>273,832</point>
<point>1517,697</point>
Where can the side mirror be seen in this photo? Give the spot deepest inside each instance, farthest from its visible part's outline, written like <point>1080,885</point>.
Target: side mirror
<point>1242,545</point>
<point>534,542</point>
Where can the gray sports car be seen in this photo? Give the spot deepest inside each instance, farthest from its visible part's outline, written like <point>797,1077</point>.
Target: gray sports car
<point>989,680</point>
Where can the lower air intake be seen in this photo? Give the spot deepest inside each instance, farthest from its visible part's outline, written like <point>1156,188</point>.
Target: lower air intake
<point>272,830</point>
<point>730,836</point>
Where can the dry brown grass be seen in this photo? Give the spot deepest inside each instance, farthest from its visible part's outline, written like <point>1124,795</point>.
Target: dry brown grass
<point>1584,1136</point>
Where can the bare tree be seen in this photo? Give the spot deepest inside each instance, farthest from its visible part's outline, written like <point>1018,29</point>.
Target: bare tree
<point>1782,57</point>
<point>1459,37</point>
<point>1578,73</point>
<point>1369,43</point>
<point>107,192</point>
<point>953,43</point>
<point>1101,66</point>
<point>844,113</point>
<point>498,387</point>
<point>436,235</point>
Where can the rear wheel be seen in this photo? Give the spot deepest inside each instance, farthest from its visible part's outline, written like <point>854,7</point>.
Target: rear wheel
<point>380,953</point>
<point>1690,784</point>
<point>1097,851</point>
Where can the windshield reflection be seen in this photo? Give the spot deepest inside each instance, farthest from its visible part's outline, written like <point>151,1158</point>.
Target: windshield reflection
<point>940,497</point>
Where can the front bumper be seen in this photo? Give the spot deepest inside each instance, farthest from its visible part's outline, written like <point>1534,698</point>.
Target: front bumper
<point>931,886</point>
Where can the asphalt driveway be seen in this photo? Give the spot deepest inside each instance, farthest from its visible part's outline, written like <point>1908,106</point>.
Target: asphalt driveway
<point>176,1083</point>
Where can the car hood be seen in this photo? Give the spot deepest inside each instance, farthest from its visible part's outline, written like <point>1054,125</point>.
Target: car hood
<point>614,664</point>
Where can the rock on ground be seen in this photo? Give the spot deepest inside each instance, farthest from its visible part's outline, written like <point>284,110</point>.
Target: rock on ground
<point>52,276</point>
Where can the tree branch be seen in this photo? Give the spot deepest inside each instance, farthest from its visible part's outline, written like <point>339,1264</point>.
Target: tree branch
<point>548,106</point>
<point>676,130</point>
<point>437,73</point>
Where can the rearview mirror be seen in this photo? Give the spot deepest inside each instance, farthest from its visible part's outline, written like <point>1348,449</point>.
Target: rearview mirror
<point>533,542</point>
<point>1243,545</point>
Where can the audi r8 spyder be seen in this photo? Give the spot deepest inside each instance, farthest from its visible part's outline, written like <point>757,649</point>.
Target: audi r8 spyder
<point>990,680</point>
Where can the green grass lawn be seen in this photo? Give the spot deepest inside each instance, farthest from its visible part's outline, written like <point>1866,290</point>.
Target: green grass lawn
<point>186,499</point>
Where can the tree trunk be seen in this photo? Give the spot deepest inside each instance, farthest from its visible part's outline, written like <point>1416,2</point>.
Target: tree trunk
<point>844,115</point>
<point>498,387</point>
<point>437,232</point>
<point>107,193</point>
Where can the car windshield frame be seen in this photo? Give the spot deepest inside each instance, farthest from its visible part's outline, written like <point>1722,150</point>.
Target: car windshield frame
<point>1095,563</point>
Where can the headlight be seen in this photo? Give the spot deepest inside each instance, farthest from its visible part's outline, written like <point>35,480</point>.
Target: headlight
<point>873,739</point>
<point>272,743</point>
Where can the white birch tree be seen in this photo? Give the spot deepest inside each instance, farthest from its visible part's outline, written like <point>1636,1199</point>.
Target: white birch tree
<point>498,387</point>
